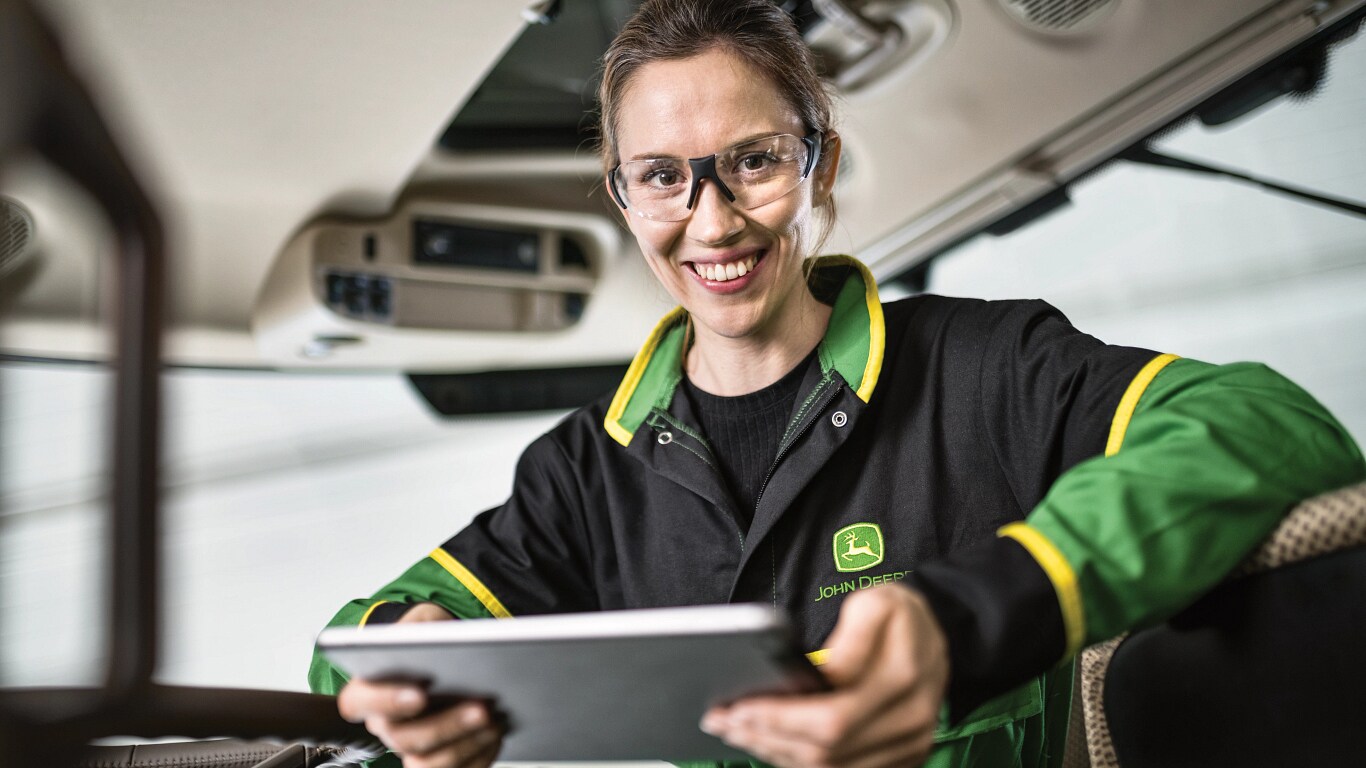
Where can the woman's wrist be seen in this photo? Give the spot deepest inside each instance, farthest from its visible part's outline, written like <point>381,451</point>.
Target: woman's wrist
<point>425,612</point>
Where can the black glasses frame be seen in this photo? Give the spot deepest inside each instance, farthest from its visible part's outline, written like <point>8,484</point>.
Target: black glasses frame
<point>705,168</point>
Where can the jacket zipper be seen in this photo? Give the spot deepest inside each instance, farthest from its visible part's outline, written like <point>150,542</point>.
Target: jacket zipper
<point>783,449</point>
<point>711,463</point>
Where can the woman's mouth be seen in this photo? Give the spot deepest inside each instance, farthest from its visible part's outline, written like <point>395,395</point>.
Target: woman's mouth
<point>727,271</point>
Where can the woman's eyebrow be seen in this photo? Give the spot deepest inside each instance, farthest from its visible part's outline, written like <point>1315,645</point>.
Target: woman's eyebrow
<point>744,140</point>
<point>755,137</point>
<point>654,156</point>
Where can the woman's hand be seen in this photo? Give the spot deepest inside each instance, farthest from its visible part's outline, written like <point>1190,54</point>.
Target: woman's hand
<point>888,666</point>
<point>402,717</point>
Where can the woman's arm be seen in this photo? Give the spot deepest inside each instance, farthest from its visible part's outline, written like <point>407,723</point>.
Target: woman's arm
<point>1205,462</point>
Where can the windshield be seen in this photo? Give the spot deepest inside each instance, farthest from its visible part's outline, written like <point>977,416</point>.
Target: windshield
<point>280,492</point>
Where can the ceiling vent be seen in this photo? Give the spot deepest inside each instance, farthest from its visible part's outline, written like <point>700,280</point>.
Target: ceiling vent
<point>16,234</point>
<point>1059,16</point>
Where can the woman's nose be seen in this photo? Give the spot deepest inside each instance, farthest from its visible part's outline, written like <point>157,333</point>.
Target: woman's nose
<point>714,219</point>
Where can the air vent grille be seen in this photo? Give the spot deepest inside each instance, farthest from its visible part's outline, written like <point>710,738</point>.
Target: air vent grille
<point>16,233</point>
<point>1058,16</point>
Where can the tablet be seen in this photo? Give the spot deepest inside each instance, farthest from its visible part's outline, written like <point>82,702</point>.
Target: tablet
<point>614,685</point>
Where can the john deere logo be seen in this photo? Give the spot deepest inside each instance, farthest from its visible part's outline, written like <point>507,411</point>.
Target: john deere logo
<point>858,546</point>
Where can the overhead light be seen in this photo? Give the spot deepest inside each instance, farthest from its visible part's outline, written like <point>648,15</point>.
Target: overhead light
<point>1059,16</point>
<point>323,346</point>
<point>16,235</point>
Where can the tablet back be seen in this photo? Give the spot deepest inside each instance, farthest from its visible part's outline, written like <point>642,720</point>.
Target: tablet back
<point>625,685</point>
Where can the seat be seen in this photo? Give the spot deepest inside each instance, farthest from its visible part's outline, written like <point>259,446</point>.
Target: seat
<point>218,753</point>
<point>1266,669</point>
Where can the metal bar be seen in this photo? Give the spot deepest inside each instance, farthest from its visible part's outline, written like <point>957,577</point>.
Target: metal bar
<point>71,134</point>
<point>56,117</point>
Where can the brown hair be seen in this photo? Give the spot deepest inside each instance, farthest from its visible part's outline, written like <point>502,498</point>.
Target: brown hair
<point>757,31</point>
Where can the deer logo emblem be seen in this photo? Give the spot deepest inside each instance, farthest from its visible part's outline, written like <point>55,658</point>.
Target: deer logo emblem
<point>858,547</point>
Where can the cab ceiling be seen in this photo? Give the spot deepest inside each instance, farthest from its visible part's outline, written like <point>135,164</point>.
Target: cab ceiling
<point>247,119</point>
<point>254,117</point>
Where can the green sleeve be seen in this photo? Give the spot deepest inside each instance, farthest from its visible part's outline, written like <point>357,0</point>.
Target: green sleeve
<point>428,581</point>
<point>1210,461</point>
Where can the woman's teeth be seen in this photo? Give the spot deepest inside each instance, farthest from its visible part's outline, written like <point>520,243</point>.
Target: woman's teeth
<point>722,272</point>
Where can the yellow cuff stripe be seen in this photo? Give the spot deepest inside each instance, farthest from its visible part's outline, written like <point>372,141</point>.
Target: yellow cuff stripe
<point>472,583</point>
<point>1061,574</point>
<point>369,611</point>
<point>1125,412</point>
<point>819,657</point>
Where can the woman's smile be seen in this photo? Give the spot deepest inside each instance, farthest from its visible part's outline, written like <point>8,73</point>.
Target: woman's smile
<point>728,272</point>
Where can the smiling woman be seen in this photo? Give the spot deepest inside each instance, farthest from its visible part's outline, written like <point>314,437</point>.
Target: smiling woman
<point>726,88</point>
<point>941,493</point>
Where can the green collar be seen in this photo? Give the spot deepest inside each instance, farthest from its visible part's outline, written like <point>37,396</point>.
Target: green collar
<point>852,347</point>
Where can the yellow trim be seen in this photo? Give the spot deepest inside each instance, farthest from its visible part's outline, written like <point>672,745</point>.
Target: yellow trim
<point>632,379</point>
<point>471,582</point>
<point>819,657</point>
<point>369,611</point>
<point>877,333</point>
<point>617,431</point>
<point>1059,572</point>
<point>1125,412</point>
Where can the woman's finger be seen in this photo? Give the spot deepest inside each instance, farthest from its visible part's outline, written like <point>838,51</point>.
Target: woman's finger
<point>820,718</point>
<point>476,750</point>
<point>360,700</point>
<point>857,636</point>
<point>440,730</point>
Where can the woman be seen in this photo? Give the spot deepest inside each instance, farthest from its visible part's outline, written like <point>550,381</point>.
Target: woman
<point>1013,488</point>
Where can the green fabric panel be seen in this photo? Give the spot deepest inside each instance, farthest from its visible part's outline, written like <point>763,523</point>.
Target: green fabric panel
<point>1013,705</point>
<point>1000,746</point>
<point>1212,459</point>
<point>657,383</point>
<point>425,582</point>
<point>322,676</point>
<point>1057,714</point>
<point>846,340</point>
<point>1034,734</point>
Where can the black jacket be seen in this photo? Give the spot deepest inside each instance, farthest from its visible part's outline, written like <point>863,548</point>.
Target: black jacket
<point>928,428</point>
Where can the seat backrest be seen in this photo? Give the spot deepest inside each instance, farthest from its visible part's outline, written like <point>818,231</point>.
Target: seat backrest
<point>1265,669</point>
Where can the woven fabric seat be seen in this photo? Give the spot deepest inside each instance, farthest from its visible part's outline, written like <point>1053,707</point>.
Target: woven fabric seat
<point>1324,525</point>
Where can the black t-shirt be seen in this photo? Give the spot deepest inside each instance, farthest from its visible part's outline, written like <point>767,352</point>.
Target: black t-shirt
<point>743,431</point>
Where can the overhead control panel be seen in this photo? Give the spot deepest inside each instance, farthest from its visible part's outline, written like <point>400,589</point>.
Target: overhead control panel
<point>402,289</point>
<point>439,270</point>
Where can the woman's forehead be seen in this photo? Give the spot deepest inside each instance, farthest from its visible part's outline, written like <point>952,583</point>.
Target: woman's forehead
<point>693,107</point>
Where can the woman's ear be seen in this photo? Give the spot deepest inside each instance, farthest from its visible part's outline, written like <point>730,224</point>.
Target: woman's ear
<point>827,168</point>
<point>612,193</point>
<point>615,203</point>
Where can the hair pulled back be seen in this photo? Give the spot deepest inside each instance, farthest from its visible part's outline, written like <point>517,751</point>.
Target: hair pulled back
<point>757,31</point>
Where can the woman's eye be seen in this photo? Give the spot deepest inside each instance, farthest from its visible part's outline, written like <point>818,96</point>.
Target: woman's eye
<point>757,162</point>
<point>663,177</point>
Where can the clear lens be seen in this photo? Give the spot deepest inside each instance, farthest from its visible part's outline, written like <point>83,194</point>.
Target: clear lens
<point>756,173</point>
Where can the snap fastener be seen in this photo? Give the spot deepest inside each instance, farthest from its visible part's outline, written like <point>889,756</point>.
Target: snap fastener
<point>665,438</point>
<point>839,419</point>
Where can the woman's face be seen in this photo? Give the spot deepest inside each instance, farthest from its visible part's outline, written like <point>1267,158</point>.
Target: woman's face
<point>695,107</point>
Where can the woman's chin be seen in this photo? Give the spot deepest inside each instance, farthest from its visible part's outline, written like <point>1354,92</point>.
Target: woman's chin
<point>736,323</point>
